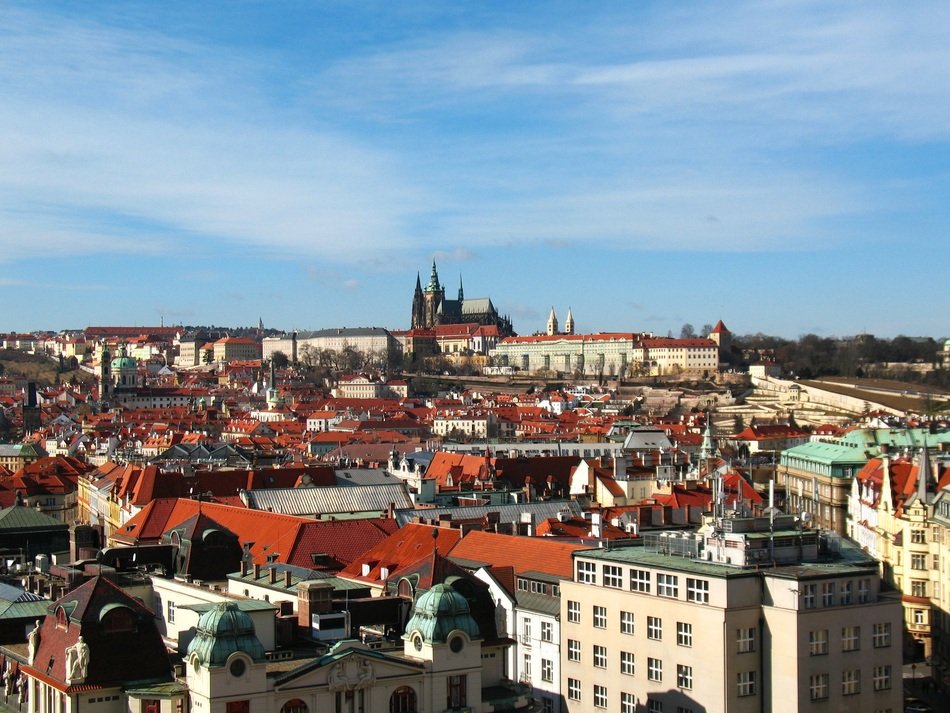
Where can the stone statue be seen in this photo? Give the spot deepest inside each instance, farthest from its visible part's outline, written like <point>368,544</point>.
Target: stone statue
<point>77,661</point>
<point>365,676</point>
<point>501,620</point>
<point>34,640</point>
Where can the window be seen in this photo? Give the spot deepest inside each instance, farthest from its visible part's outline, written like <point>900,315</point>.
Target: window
<point>627,664</point>
<point>628,703</point>
<point>818,686</point>
<point>654,628</point>
<point>847,589</point>
<point>170,612</point>
<point>882,677</point>
<point>850,638</point>
<point>918,588</point>
<point>600,696</point>
<point>547,705</point>
<point>745,683</point>
<point>600,617</point>
<point>918,537</point>
<point>684,634</point>
<point>654,669</point>
<point>918,561</point>
<point>573,612</point>
<point>526,667</point>
<point>809,595</point>
<point>919,618</point>
<point>613,576</point>
<point>587,572</point>
<point>640,580</point>
<point>547,670</point>
<point>864,591</point>
<point>526,631</point>
<point>745,640</point>
<point>850,682</point>
<point>522,584</point>
<point>626,622</point>
<point>667,585</point>
<point>573,689</point>
<point>547,631</point>
<point>697,590</point>
<point>818,642</point>
<point>600,656</point>
<point>573,650</point>
<point>457,692</point>
<point>684,676</point>
<point>882,634</point>
<point>654,706</point>
<point>827,594</point>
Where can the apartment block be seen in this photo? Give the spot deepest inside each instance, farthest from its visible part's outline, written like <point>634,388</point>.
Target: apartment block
<point>748,614</point>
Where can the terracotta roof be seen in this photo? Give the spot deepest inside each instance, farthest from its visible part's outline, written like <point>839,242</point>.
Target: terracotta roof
<point>404,547</point>
<point>523,554</point>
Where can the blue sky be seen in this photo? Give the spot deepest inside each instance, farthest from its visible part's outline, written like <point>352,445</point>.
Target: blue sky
<point>782,166</point>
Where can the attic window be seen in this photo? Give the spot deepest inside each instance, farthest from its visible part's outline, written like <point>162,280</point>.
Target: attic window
<point>62,621</point>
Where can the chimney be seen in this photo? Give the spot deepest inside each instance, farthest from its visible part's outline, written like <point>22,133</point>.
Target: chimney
<point>596,529</point>
<point>272,572</point>
<point>288,576</point>
<point>257,570</point>
<point>527,523</point>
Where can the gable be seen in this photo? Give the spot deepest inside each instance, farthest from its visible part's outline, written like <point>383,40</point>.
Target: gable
<point>350,665</point>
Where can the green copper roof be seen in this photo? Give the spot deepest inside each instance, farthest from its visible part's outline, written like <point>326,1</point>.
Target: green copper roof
<point>223,630</point>
<point>439,612</point>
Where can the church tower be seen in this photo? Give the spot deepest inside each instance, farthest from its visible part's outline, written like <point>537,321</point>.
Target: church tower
<point>569,322</point>
<point>418,308</point>
<point>552,323</point>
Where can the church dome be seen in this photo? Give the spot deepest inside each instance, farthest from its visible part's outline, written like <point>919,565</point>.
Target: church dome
<point>438,612</point>
<point>123,361</point>
<point>222,631</point>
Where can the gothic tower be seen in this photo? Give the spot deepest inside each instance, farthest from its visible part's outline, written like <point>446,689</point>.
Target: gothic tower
<point>418,308</point>
<point>569,322</point>
<point>552,323</point>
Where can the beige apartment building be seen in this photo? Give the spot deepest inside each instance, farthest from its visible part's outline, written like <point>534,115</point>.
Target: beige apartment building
<point>744,616</point>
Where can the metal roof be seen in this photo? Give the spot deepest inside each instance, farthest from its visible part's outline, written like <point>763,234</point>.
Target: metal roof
<point>340,500</point>
<point>542,510</point>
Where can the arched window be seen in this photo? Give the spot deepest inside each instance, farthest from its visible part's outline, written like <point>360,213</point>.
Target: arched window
<point>403,700</point>
<point>294,706</point>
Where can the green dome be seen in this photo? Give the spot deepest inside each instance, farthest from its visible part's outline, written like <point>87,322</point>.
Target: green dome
<point>222,631</point>
<point>123,361</point>
<point>438,613</point>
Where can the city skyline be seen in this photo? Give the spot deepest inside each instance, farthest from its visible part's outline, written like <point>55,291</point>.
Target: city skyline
<point>776,165</point>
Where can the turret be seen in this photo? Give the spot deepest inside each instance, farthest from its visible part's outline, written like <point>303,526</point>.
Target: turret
<point>552,323</point>
<point>569,322</point>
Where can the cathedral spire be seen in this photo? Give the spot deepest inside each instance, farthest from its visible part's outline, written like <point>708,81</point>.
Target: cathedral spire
<point>418,283</point>
<point>569,322</point>
<point>461,291</point>
<point>433,279</point>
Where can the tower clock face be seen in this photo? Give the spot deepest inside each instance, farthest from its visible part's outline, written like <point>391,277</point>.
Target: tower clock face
<point>456,643</point>
<point>417,642</point>
<point>237,668</point>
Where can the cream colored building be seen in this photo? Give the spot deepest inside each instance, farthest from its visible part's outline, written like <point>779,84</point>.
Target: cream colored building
<point>612,353</point>
<point>695,622</point>
<point>890,515</point>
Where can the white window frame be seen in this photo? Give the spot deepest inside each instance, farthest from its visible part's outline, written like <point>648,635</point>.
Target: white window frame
<point>745,684</point>
<point>654,628</point>
<point>850,638</point>
<point>600,696</point>
<point>882,677</point>
<point>640,580</point>
<point>600,656</point>
<point>573,689</point>
<point>654,669</point>
<point>697,590</point>
<point>667,585</point>
<point>818,642</point>
<point>600,617</point>
<point>612,576</point>
<point>586,572</point>
<point>627,622</point>
<point>684,676</point>
<point>850,682</point>
<point>684,634</point>
<point>882,634</point>
<point>745,639</point>
<point>628,663</point>
<point>573,612</point>
<point>573,650</point>
<point>818,686</point>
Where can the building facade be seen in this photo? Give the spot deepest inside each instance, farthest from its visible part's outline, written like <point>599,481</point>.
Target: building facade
<point>707,622</point>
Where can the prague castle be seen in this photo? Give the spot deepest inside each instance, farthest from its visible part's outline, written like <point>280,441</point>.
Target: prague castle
<point>431,308</point>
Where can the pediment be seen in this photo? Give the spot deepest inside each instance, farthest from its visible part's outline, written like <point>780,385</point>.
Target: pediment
<point>349,669</point>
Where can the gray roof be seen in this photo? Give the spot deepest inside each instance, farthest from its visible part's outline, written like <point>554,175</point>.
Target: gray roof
<point>343,332</point>
<point>17,517</point>
<point>478,305</point>
<point>339,500</point>
<point>542,510</point>
<point>349,477</point>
